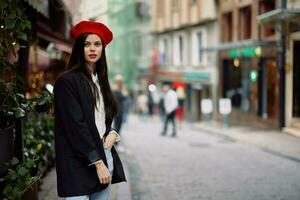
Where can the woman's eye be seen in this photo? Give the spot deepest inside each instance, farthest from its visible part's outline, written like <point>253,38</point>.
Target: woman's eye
<point>98,44</point>
<point>86,44</point>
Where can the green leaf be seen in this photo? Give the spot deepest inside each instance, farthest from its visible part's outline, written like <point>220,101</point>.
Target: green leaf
<point>29,163</point>
<point>9,23</point>
<point>11,172</point>
<point>13,176</point>
<point>19,112</point>
<point>23,36</point>
<point>8,191</point>
<point>20,95</point>
<point>3,5</point>
<point>28,24</point>
<point>22,171</point>
<point>14,161</point>
<point>17,192</point>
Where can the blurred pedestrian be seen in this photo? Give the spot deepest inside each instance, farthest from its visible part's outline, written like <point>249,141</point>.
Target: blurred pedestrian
<point>150,104</point>
<point>117,91</point>
<point>142,101</point>
<point>161,107</point>
<point>180,110</point>
<point>86,161</point>
<point>170,105</point>
<point>126,105</point>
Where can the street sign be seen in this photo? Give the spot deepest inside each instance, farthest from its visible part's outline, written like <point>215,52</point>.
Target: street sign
<point>225,106</point>
<point>253,76</point>
<point>206,106</point>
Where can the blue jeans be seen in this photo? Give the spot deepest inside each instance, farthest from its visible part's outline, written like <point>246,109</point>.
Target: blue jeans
<point>104,194</point>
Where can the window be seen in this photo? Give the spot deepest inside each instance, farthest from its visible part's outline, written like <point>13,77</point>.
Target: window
<point>142,10</point>
<point>245,23</point>
<point>226,28</point>
<point>167,50</point>
<point>266,6</point>
<point>164,50</point>
<point>198,45</point>
<point>179,49</point>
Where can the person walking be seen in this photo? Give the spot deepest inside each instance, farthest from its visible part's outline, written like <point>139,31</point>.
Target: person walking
<point>170,105</point>
<point>84,106</point>
<point>118,93</point>
<point>142,102</point>
<point>180,110</point>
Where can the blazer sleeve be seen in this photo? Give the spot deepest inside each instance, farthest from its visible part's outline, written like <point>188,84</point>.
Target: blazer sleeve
<point>73,122</point>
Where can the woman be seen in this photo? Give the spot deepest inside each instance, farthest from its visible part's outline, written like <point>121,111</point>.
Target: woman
<point>86,161</point>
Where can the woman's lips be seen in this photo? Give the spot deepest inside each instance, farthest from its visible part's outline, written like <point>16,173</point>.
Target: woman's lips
<point>93,55</point>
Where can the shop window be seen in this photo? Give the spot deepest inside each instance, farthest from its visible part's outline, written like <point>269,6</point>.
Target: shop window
<point>266,6</point>
<point>226,28</point>
<point>245,23</point>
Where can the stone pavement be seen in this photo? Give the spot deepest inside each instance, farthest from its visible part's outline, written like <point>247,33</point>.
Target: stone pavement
<point>147,186</point>
<point>207,162</point>
<point>270,140</point>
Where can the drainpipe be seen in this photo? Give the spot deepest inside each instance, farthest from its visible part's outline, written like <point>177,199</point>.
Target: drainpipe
<point>282,62</point>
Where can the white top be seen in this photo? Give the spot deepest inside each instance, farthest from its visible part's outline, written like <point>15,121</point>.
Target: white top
<point>170,101</point>
<point>99,111</point>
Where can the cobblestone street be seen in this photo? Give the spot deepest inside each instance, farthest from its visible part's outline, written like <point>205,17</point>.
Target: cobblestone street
<point>201,166</point>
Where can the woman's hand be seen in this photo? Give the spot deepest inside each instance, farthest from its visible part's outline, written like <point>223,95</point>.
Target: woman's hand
<point>110,140</point>
<point>103,173</point>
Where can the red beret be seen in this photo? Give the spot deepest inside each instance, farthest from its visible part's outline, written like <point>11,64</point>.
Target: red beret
<point>92,27</point>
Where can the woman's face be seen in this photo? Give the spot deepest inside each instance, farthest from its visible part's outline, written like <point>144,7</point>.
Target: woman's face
<point>92,49</point>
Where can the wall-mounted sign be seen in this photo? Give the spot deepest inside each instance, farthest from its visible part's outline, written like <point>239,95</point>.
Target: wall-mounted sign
<point>225,106</point>
<point>206,106</point>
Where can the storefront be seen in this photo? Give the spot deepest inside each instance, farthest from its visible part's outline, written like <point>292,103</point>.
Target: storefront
<point>197,86</point>
<point>249,78</point>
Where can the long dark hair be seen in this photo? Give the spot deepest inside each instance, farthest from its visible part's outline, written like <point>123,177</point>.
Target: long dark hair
<point>77,61</point>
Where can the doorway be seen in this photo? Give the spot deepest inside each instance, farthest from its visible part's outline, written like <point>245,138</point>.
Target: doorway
<point>296,80</point>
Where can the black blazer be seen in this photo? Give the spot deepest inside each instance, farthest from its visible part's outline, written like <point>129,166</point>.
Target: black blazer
<point>77,141</point>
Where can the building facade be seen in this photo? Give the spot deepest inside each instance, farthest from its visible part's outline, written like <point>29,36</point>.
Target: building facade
<point>46,56</point>
<point>185,40</point>
<point>285,18</point>
<point>248,62</point>
<point>130,53</point>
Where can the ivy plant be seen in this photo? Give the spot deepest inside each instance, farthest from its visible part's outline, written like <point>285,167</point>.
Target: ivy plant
<point>19,178</point>
<point>14,29</point>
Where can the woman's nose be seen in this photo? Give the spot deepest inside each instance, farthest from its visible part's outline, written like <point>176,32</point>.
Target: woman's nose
<point>92,48</point>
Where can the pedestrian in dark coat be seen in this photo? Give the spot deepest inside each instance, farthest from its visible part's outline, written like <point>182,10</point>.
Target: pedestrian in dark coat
<point>86,161</point>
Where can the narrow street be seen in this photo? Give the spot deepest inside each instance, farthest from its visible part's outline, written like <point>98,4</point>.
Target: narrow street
<point>201,166</point>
